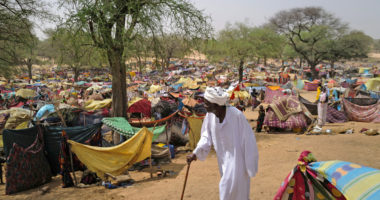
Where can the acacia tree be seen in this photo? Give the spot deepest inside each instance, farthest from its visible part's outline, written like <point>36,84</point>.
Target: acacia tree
<point>172,46</point>
<point>355,44</point>
<point>16,38</point>
<point>114,23</point>
<point>308,31</point>
<point>266,42</point>
<point>73,47</point>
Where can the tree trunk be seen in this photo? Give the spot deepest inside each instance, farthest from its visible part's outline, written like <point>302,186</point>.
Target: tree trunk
<point>265,61</point>
<point>314,71</point>
<point>29,65</point>
<point>139,64</point>
<point>76,74</point>
<point>332,63</point>
<point>119,89</point>
<point>301,63</point>
<point>258,60</point>
<point>167,62</point>
<point>241,71</point>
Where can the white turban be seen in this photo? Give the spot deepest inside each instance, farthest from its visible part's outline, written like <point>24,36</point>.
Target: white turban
<point>216,95</point>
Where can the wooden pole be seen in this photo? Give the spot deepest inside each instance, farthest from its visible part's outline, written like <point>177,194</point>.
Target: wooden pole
<point>68,146</point>
<point>184,184</point>
<point>72,164</point>
<point>150,157</point>
<point>167,140</point>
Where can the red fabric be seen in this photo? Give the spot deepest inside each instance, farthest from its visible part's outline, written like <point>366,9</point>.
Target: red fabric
<point>143,106</point>
<point>20,104</point>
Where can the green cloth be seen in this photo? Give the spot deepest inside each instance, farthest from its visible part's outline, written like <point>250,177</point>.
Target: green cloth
<point>123,127</point>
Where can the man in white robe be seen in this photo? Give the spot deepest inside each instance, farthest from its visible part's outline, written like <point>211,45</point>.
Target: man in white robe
<point>227,129</point>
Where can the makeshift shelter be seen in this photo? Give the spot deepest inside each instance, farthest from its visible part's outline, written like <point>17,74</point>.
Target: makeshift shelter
<point>117,159</point>
<point>311,86</point>
<point>359,113</point>
<point>92,105</point>
<point>329,180</point>
<point>26,167</point>
<point>26,93</point>
<point>333,115</point>
<point>287,113</point>
<point>143,106</point>
<point>373,84</point>
<point>122,126</point>
<point>83,134</point>
<point>273,93</point>
<point>18,118</point>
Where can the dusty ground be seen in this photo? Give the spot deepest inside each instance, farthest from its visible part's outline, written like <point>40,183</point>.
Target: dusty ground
<point>278,155</point>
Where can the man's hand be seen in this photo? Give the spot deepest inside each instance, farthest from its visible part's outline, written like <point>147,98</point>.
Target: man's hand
<point>191,157</point>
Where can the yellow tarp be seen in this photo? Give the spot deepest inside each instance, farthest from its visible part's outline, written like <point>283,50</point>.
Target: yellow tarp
<point>115,160</point>
<point>373,84</point>
<point>195,124</point>
<point>26,93</point>
<point>134,100</point>
<point>154,89</point>
<point>94,105</point>
<point>187,83</point>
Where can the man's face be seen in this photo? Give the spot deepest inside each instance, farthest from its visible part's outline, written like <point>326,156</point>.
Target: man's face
<point>210,107</point>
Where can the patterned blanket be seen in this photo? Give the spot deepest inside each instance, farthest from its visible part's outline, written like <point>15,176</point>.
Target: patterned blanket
<point>335,116</point>
<point>353,180</point>
<point>271,95</point>
<point>26,167</point>
<point>303,183</point>
<point>122,126</point>
<point>362,113</point>
<point>287,113</point>
<point>311,180</point>
<point>286,106</point>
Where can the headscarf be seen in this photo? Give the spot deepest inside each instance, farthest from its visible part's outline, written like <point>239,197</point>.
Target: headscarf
<point>216,95</point>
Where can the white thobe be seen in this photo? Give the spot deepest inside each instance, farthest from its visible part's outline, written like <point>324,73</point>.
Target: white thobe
<point>236,149</point>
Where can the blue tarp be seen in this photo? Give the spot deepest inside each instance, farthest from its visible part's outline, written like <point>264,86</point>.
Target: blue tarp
<point>46,108</point>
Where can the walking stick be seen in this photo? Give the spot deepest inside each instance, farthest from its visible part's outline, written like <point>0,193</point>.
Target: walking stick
<point>184,184</point>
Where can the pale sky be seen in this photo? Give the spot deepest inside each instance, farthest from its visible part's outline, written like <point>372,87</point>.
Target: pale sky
<point>361,15</point>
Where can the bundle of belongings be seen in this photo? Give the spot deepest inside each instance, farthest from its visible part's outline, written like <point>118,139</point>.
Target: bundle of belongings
<point>329,180</point>
<point>355,112</point>
<point>287,113</point>
<point>35,154</point>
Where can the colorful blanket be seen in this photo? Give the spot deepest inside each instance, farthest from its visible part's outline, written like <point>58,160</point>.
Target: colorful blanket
<point>309,86</point>
<point>285,107</point>
<point>303,183</point>
<point>297,120</point>
<point>122,126</point>
<point>117,159</point>
<point>311,180</point>
<point>335,116</point>
<point>26,167</point>
<point>272,93</point>
<point>362,113</point>
<point>353,180</point>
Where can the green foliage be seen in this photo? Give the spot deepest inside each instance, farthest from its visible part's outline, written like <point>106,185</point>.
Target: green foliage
<point>355,44</point>
<point>16,38</point>
<point>376,45</point>
<point>309,31</point>
<point>73,47</point>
